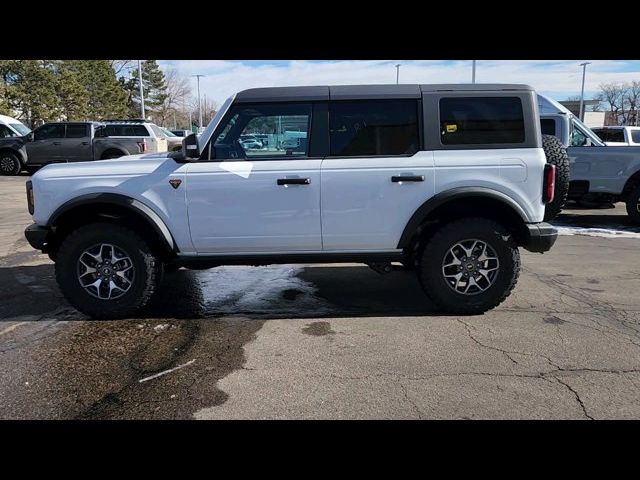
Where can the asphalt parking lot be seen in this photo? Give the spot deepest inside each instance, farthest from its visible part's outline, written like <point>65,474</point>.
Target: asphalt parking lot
<point>328,341</point>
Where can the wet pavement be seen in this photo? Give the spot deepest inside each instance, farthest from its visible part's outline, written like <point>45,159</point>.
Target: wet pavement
<point>329,341</point>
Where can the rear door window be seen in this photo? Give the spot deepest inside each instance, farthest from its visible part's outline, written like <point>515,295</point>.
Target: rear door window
<point>373,127</point>
<point>77,131</point>
<point>481,120</point>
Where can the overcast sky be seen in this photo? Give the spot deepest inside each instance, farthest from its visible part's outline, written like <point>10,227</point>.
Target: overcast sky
<point>559,79</point>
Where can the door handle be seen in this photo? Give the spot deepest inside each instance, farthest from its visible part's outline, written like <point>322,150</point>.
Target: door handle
<point>85,143</point>
<point>56,143</point>
<point>407,178</point>
<point>294,181</point>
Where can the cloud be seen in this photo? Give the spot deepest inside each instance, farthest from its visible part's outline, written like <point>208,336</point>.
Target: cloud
<point>557,78</point>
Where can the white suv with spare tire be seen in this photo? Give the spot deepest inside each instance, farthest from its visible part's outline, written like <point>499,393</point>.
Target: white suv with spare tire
<point>447,179</point>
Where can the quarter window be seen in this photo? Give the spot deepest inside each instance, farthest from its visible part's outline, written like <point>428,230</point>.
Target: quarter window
<point>481,120</point>
<point>373,127</point>
<point>635,136</point>
<point>265,131</point>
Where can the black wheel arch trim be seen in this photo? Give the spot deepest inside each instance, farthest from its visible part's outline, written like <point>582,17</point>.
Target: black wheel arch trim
<point>18,152</point>
<point>454,194</point>
<point>132,204</point>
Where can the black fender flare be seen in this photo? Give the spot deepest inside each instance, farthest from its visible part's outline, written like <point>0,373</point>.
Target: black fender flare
<point>114,148</point>
<point>129,203</point>
<point>454,194</point>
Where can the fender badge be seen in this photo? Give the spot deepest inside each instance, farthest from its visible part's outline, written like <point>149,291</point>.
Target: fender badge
<point>175,182</point>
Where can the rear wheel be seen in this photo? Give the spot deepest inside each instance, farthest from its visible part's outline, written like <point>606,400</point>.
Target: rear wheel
<point>9,164</point>
<point>633,205</point>
<point>556,155</point>
<point>111,154</point>
<point>469,266</point>
<point>107,271</point>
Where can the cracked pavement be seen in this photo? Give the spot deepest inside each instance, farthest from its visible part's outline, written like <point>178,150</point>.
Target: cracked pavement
<point>327,341</point>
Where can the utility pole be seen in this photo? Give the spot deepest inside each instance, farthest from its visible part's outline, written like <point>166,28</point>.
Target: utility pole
<point>397,73</point>
<point>141,90</point>
<point>584,72</point>
<point>199,107</point>
<point>473,71</point>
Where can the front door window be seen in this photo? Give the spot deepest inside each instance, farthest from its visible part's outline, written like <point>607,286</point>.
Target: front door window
<point>263,132</point>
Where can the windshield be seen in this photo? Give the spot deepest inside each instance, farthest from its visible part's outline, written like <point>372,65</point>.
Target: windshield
<point>21,128</point>
<point>580,133</point>
<point>168,133</point>
<point>157,130</point>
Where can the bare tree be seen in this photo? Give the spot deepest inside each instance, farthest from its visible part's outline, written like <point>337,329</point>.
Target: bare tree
<point>615,96</point>
<point>121,66</point>
<point>633,100</point>
<point>178,91</point>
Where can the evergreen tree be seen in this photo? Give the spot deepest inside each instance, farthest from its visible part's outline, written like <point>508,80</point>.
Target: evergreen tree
<point>155,89</point>
<point>107,98</point>
<point>71,90</point>
<point>30,90</point>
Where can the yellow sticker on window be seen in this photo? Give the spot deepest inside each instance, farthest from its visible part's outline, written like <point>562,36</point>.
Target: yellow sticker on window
<point>451,128</point>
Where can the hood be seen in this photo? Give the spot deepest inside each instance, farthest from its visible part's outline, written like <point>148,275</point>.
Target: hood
<point>130,165</point>
<point>548,106</point>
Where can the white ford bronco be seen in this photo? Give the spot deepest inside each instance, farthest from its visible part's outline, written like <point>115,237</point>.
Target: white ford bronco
<point>447,179</point>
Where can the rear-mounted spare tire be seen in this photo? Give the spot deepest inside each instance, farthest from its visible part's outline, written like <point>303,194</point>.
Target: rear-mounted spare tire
<point>556,155</point>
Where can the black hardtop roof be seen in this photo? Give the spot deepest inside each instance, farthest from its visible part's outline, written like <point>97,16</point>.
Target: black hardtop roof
<point>348,92</point>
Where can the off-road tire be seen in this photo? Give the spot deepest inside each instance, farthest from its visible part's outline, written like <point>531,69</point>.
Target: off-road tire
<point>430,270</point>
<point>148,270</point>
<point>9,164</point>
<point>633,205</point>
<point>556,155</point>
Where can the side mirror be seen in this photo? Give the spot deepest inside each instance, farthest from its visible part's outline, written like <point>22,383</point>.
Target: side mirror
<point>190,147</point>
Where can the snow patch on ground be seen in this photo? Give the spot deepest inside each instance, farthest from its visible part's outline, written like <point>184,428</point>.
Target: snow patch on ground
<point>238,289</point>
<point>597,232</point>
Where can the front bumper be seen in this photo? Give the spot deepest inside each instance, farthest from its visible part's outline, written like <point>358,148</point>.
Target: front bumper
<point>540,237</point>
<point>37,236</point>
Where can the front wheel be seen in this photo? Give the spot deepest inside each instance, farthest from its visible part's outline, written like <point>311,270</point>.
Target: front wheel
<point>9,164</point>
<point>469,266</point>
<point>633,205</point>
<point>107,271</point>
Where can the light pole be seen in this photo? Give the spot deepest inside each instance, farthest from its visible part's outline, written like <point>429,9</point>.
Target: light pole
<point>397,73</point>
<point>141,89</point>
<point>584,72</point>
<point>473,71</point>
<point>199,108</point>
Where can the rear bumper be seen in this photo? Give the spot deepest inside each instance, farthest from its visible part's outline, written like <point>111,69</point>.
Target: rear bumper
<point>541,237</point>
<point>37,236</point>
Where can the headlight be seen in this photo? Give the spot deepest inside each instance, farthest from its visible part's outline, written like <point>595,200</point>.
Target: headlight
<point>30,201</point>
